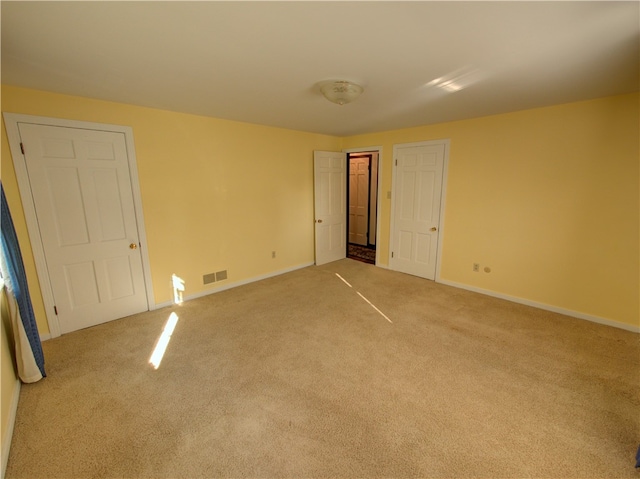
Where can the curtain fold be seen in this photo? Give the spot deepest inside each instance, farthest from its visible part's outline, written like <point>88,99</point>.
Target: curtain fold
<point>16,283</point>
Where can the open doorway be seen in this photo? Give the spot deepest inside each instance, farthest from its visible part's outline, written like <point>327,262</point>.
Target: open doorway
<point>362,213</point>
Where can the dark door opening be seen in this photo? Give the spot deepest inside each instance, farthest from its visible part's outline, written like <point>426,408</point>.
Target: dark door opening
<point>362,194</point>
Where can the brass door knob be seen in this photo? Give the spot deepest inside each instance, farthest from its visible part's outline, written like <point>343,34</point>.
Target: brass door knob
<point>434,229</point>
<point>319,221</point>
<point>133,246</point>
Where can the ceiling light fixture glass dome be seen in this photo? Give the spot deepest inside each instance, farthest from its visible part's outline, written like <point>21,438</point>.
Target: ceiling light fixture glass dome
<point>341,91</point>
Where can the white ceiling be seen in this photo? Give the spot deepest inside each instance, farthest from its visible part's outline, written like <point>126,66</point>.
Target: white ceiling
<point>261,62</point>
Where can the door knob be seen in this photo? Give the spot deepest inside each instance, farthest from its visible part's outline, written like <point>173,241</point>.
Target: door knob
<point>133,246</point>
<point>319,221</point>
<point>434,228</point>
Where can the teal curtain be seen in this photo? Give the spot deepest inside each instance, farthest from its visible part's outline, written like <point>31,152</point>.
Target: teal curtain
<point>17,281</point>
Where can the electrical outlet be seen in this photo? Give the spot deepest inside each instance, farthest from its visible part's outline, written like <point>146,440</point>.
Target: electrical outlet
<point>273,254</point>
<point>476,267</point>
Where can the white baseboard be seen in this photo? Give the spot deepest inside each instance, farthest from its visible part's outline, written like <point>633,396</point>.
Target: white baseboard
<point>11,421</point>
<point>515,299</point>
<point>236,284</point>
<point>546,307</point>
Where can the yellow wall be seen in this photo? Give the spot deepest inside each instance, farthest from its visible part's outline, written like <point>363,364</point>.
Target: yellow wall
<point>9,380</point>
<point>216,194</point>
<point>547,198</point>
<point>8,377</point>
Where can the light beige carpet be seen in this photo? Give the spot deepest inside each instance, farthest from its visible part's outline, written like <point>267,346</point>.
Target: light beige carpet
<point>298,376</point>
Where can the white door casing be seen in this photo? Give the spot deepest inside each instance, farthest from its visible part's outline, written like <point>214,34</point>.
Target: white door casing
<point>378,160</point>
<point>330,190</point>
<point>84,218</point>
<point>416,207</point>
<point>359,200</point>
<point>373,210</point>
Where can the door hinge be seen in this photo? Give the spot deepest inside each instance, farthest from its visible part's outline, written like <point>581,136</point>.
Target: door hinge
<point>392,254</point>
<point>22,148</point>
<point>396,162</point>
<point>55,309</point>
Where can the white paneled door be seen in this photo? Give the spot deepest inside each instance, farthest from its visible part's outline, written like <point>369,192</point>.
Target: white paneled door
<point>81,189</point>
<point>418,174</point>
<point>330,189</point>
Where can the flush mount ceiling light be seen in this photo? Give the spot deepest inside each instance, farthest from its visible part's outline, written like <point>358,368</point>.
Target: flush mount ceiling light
<point>341,91</point>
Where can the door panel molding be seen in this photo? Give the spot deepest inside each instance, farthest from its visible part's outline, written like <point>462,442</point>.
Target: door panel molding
<point>12,121</point>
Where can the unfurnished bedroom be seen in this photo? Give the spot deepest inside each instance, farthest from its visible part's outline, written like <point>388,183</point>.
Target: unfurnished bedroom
<point>320,239</point>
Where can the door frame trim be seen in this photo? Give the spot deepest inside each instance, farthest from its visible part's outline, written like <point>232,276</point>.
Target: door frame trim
<point>11,121</point>
<point>443,195</point>
<point>379,181</point>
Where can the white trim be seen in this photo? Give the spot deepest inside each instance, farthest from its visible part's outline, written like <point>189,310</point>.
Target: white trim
<point>443,194</point>
<point>379,196</point>
<point>236,284</point>
<point>11,421</point>
<point>546,307</point>
<point>13,135</point>
<point>11,121</point>
<point>443,199</point>
<point>137,203</point>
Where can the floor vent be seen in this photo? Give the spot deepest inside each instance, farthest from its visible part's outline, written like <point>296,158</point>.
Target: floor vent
<point>220,275</point>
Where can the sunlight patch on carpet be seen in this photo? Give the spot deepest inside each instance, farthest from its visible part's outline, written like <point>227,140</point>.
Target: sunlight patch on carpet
<point>163,341</point>
<point>370,303</point>
<point>374,307</point>
<point>345,281</point>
